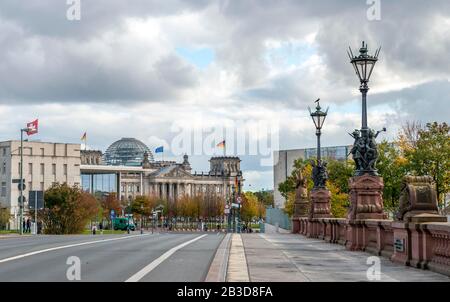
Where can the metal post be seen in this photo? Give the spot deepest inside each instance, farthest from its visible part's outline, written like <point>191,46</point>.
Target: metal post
<point>35,212</point>
<point>21,182</point>
<point>364,89</point>
<point>319,155</point>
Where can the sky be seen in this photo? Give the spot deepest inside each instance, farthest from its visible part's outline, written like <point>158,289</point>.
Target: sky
<point>187,74</point>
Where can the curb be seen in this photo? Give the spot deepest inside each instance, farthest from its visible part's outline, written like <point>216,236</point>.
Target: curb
<point>219,266</point>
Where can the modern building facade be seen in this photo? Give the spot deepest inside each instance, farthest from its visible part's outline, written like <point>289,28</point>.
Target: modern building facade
<point>44,164</point>
<point>284,164</point>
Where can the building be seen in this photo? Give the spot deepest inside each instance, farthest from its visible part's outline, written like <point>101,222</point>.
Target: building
<point>284,163</point>
<point>129,170</point>
<point>44,164</point>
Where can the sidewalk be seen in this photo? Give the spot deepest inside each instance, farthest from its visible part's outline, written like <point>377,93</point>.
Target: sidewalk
<point>271,229</point>
<point>293,258</point>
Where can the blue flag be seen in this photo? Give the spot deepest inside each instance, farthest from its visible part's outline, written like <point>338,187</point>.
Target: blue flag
<point>159,149</point>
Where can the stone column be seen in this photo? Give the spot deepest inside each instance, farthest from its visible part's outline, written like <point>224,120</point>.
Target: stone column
<point>320,203</point>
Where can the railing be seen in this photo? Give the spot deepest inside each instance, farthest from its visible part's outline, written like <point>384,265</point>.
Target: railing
<point>424,245</point>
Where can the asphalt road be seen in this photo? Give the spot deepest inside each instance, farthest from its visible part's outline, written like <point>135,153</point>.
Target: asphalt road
<point>164,257</point>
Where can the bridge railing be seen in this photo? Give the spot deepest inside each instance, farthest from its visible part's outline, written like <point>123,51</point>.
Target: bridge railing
<point>421,245</point>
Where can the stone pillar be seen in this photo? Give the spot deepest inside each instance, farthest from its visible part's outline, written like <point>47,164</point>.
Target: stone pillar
<point>320,204</point>
<point>366,198</point>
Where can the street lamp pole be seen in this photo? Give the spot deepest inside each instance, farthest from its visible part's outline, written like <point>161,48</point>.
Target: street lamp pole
<point>319,170</point>
<point>21,180</point>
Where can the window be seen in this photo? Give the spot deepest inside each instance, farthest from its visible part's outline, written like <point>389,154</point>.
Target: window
<point>65,169</point>
<point>41,187</point>
<point>30,169</point>
<point>53,169</point>
<point>3,194</point>
<point>4,151</point>
<point>42,152</point>
<point>18,168</point>
<point>4,168</point>
<point>137,188</point>
<point>42,169</point>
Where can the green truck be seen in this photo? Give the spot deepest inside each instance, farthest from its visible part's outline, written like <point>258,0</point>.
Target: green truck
<point>121,223</point>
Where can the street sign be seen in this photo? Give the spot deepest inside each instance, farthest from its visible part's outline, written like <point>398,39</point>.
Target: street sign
<point>16,181</point>
<point>36,197</point>
<point>24,187</point>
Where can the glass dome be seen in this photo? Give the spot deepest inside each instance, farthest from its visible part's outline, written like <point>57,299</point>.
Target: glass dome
<point>126,152</point>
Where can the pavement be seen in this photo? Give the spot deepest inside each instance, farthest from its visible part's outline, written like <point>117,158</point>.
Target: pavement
<point>295,258</point>
<point>149,257</point>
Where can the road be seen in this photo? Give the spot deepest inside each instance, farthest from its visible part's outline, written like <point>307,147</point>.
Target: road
<point>145,258</point>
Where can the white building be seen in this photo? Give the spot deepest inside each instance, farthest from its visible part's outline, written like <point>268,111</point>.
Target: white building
<point>284,164</point>
<point>43,165</point>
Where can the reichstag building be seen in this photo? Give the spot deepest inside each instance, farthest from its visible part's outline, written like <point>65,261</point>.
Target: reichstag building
<point>128,169</point>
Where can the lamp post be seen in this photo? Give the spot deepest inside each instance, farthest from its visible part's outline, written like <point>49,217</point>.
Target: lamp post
<point>363,65</point>
<point>364,149</point>
<point>233,210</point>
<point>319,169</point>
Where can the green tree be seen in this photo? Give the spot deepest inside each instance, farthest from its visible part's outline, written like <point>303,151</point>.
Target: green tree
<point>431,156</point>
<point>68,209</point>
<point>392,166</point>
<point>339,172</point>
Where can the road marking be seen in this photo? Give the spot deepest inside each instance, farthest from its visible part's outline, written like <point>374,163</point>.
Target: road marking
<point>141,274</point>
<point>65,247</point>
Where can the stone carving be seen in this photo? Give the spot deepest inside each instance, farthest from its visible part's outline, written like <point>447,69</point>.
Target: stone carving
<point>418,200</point>
<point>364,151</point>
<point>301,203</point>
<point>319,174</point>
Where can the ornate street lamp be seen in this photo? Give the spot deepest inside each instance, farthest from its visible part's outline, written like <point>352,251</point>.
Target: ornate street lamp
<point>363,65</point>
<point>319,169</point>
<point>364,149</point>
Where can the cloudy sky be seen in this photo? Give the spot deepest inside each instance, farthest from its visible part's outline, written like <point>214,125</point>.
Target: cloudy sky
<point>156,70</point>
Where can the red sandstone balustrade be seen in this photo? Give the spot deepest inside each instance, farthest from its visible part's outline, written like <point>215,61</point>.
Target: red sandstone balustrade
<point>436,247</point>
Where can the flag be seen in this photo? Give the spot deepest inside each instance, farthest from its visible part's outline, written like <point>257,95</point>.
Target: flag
<point>159,149</point>
<point>32,127</point>
<point>221,144</point>
<point>84,137</point>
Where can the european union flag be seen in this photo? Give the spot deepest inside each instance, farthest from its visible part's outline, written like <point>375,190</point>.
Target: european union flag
<point>159,149</point>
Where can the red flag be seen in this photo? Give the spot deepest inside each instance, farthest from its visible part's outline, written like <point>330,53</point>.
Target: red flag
<point>32,127</point>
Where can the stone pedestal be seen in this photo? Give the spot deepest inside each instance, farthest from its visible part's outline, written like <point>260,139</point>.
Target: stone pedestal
<point>301,210</point>
<point>366,198</point>
<point>320,204</point>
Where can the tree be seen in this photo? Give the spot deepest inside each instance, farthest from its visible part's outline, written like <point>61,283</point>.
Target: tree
<point>249,206</point>
<point>339,172</point>
<point>4,217</point>
<point>431,156</point>
<point>392,166</point>
<point>142,206</point>
<point>68,209</point>
<point>265,197</point>
<point>110,203</point>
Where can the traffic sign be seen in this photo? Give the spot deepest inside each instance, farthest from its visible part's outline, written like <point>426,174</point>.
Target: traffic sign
<point>36,198</point>
<point>24,187</point>
<point>112,214</point>
<point>23,198</point>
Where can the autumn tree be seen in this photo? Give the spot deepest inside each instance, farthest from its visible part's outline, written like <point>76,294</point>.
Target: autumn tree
<point>68,209</point>
<point>4,217</point>
<point>109,203</point>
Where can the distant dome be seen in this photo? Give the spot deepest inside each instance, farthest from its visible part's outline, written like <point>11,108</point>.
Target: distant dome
<point>126,152</point>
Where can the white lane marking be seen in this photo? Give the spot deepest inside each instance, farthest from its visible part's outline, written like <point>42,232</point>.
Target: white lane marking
<point>141,274</point>
<point>65,247</point>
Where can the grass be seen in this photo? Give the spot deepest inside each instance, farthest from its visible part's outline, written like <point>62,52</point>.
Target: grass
<point>9,232</point>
